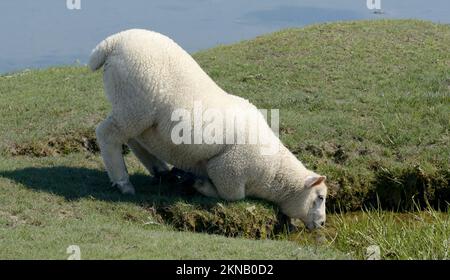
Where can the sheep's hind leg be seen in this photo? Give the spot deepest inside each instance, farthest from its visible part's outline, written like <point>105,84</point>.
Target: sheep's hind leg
<point>110,140</point>
<point>154,165</point>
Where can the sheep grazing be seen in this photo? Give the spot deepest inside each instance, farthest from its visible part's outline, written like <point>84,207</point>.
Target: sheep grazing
<point>148,78</point>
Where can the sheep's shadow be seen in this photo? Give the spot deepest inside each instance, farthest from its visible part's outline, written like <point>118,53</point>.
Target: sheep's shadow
<point>74,183</point>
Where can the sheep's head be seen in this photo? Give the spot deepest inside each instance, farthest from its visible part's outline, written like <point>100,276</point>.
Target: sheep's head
<point>309,203</point>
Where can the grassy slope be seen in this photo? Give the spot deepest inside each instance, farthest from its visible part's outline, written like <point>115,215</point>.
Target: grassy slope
<point>50,203</point>
<point>364,103</point>
<point>367,104</point>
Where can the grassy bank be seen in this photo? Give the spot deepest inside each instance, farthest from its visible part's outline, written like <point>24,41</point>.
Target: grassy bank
<point>365,103</point>
<point>50,203</point>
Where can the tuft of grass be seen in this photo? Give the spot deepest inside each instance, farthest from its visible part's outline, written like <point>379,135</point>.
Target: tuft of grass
<point>400,236</point>
<point>243,219</point>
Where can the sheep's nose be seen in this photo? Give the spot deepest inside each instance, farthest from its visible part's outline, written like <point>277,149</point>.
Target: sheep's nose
<point>322,224</point>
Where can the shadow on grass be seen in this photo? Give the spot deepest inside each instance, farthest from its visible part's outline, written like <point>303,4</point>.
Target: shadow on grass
<point>74,183</point>
<point>173,200</point>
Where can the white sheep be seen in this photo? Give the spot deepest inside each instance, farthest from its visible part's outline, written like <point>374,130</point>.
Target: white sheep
<point>147,77</point>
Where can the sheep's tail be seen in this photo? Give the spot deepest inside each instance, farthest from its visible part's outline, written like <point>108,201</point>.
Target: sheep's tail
<point>100,54</point>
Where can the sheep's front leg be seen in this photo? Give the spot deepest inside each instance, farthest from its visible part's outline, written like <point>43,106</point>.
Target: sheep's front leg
<point>228,179</point>
<point>110,140</point>
<point>205,187</point>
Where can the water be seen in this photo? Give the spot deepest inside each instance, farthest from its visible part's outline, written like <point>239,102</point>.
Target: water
<point>43,33</point>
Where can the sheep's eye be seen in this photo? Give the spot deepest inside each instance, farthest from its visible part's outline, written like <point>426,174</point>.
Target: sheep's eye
<point>320,197</point>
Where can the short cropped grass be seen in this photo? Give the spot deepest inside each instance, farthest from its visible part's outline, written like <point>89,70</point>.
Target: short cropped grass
<point>54,202</point>
<point>365,103</point>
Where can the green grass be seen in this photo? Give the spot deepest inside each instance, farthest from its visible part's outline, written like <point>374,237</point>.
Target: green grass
<point>365,103</point>
<point>405,236</point>
<point>50,203</point>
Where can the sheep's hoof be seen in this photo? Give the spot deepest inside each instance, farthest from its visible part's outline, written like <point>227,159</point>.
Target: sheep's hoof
<point>205,187</point>
<point>125,187</point>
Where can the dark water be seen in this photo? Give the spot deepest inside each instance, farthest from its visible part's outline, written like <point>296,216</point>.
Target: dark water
<point>41,33</point>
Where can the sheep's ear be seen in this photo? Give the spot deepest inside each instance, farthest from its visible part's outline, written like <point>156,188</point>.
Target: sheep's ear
<point>312,181</point>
